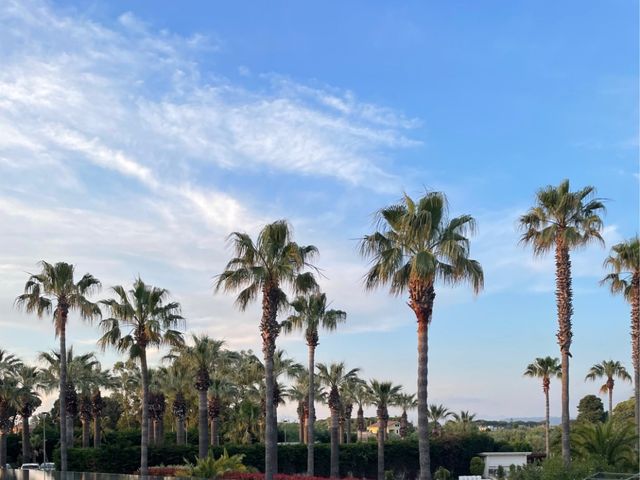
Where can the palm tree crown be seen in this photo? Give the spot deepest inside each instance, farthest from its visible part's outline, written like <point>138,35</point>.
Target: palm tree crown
<point>145,318</point>
<point>624,262</point>
<point>545,368</point>
<point>311,314</point>
<point>418,242</point>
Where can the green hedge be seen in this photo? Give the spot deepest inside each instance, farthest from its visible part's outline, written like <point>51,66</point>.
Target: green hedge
<point>358,459</point>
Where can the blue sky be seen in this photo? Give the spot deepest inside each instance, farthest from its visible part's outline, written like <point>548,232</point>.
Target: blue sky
<point>134,136</point>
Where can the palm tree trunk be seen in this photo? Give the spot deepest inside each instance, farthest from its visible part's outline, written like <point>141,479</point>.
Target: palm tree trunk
<point>269,329</point>
<point>63,389</point>
<point>301,427</point>
<point>26,441</point>
<point>214,431</point>
<point>348,433</point>
<point>635,349</point>
<point>382,427</point>
<point>565,310</point>
<point>610,402</point>
<point>180,431</point>
<point>70,429</point>
<point>335,454</point>
<point>275,437</point>
<point>157,431</point>
<point>144,424</point>
<point>312,412</point>
<point>202,424</point>
<point>3,449</point>
<point>546,422</point>
<point>422,299</point>
<point>86,432</point>
<point>96,431</point>
<point>341,429</point>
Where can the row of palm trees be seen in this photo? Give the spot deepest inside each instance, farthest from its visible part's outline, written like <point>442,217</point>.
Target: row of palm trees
<point>415,246</point>
<point>547,368</point>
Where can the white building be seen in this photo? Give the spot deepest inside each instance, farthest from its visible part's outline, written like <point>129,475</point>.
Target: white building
<point>493,460</point>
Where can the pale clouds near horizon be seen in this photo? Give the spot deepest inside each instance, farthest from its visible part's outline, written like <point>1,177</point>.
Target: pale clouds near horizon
<point>115,154</point>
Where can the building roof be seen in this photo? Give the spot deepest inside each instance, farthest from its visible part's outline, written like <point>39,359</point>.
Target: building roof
<point>504,454</point>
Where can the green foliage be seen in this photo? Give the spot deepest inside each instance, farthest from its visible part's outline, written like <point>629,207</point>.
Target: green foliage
<point>442,474</point>
<point>476,466</point>
<point>554,469</point>
<point>610,444</point>
<point>591,409</point>
<point>624,411</point>
<point>500,474</point>
<point>451,452</point>
<point>211,467</point>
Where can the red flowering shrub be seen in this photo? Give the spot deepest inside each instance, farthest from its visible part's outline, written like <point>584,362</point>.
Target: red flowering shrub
<point>260,476</point>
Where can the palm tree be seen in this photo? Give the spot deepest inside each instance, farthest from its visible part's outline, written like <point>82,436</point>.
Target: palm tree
<point>545,368</point>
<point>79,372</point>
<point>221,390</point>
<point>176,382</point>
<point>406,402</point>
<point>610,441</point>
<point>418,244</point>
<point>608,369</point>
<point>464,419</point>
<point>362,397</point>
<point>264,268</point>
<point>205,355</point>
<point>9,403</point>
<point>311,314</point>
<point>333,376</point>
<point>348,396</point>
<point>563,220</point>
<point>438,413</point>
<point>99,379</point>
<point>383,394</point>
<point>624,262</point>
<point>141,318</point>
<point>54,290</point>
<point>28,381</point>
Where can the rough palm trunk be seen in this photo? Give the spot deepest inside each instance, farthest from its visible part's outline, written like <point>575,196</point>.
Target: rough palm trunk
<point>144,424</point>
<point>382,428</point>
<point>421,302</point>
<point>269,329</point>
<point>97,405</point>
<point>301,422</point>
<point>360,423</point>
<point>3,449</point>
<point>610,384</point>
<point>180,431</point>
<point>565,310</point>
<point>26,441</point>
<point>311,439</point>
<point>275,434</point>
<point>63,383</point>
<point>335,454</point>
<point>202,423</point>
<point>635,348</point>
<point>214,416</point>
<point>86,432</point>
<point>545,388</point>
<point>347,414</point>
<point>341,428</point>
<point>157,431</point>
<point>214,432</point>
<point>70,429</point>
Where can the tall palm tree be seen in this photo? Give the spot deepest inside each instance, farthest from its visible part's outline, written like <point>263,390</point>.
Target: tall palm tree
<point>464,419</point>
<point>624,263</point>
<point>176,382</point>
<point>383,394</point>
<point>99,379</point>
<point>54,290</point>
<point>406,402</point>
<point>141,318</point>
<point>333,376</point>
<point>265,267</point>
<point>609,370</point>
<point>348,395</point>
<point>437,414</point>
<point>416,245</point>
<point>205,355</point>
<point>562,220</point>
<point>310,315</point>
<point>545,368</point>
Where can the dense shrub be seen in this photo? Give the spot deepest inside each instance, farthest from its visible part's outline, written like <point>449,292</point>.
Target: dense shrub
<point>357,459</point>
